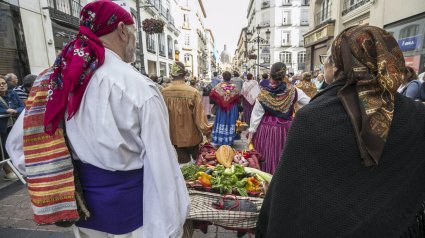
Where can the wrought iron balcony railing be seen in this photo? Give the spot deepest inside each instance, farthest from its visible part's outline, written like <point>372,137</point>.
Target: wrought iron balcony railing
<point>351,5</point>
<point>265,24</point>
<point>323,15</point>
<point>164,12</point>
<point>65,10</point>
<point>304,22</point>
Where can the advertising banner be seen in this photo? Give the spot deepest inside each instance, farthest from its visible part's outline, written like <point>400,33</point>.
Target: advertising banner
<point>413,61</point>
<point>410,43</point>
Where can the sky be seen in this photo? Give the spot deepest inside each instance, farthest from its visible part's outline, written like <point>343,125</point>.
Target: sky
<point>226,18</point>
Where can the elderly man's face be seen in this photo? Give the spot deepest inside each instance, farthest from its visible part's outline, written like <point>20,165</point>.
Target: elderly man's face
<point>14,79</point>
<point>130,49</point>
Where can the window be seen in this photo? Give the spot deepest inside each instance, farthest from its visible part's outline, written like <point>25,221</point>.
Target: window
<point>187,40</point>
<point>150,42</point>
<point>285,57</point>
<point>187,60</point>
<point>409,31</point>
<point>186,21</point>
<point>162,69</point>
<point>286,18</point>
<point>162,44</point>
<point>326,10</point>
<point>265,19</point>
<point>301,57</point>
<point>170,47</point>
<point>286,38</point>
<point>304,18</point>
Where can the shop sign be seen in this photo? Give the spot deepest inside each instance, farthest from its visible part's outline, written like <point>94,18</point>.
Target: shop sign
<point>244,68</point>
<point>124,4</point>
<point>410,43</point>
<point>265,52</point>
<point>413,61</point>
<point>316,36</point>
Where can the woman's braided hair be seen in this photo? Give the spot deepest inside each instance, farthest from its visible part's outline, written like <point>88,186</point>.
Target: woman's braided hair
<point>278,71</point>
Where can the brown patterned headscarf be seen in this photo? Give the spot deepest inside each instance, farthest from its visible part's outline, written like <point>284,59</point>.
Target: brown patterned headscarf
<point>374,65</point>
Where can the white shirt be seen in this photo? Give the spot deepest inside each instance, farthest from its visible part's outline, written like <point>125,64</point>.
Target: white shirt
<point>122,124</point>
<point>258,111</point>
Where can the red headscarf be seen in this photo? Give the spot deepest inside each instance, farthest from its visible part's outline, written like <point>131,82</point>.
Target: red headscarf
<point>79,60</point>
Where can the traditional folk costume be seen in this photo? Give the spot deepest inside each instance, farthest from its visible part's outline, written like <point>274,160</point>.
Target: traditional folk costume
<point>309,88</point>
<point>250,92</point>
<point>353,164</point>
<point>109,172</point>
<point>271,119</point>
<point>226,95</point>
<point>188,121</point>
<point>206,88</point>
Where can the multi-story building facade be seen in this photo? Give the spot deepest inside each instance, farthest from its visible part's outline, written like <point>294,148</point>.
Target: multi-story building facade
<point>287,20</point>
<point>241,53</point>
<point>211,63</point>
<point>405,20</point>
<point>42,27</point>
<point>194,47</point>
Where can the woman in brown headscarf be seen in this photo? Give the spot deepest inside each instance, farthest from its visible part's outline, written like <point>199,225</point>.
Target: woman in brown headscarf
<point>363,172</point>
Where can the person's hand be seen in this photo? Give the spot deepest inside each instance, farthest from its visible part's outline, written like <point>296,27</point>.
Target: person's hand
<point>11,111</point>
<point>248,142</point>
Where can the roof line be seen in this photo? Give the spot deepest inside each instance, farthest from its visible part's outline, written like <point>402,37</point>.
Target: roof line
<point>211,33</point>
<point>202,7</point>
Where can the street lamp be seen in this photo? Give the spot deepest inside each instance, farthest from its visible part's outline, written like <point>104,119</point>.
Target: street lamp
<point>257,40</point>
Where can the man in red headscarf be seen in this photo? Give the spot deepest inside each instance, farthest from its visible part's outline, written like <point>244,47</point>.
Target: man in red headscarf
<point>118,138</point>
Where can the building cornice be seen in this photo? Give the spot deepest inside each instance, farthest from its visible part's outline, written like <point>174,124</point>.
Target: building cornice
<point>212,36</point>
<point>249,7</point>
<point>202,7</point>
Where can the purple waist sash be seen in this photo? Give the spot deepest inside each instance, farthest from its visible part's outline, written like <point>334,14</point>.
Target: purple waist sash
<point>114,199</point>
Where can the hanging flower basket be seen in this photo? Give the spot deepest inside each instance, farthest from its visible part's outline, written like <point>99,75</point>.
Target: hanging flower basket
<point>252,56</point>
<point>152,26</point>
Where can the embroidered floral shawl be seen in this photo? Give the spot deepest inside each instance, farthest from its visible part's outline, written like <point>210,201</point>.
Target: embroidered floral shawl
<point>226,95</point>
<point>279,100</point>
<point>250,91</point>
<point>79,59</point>
<point>308,88</point>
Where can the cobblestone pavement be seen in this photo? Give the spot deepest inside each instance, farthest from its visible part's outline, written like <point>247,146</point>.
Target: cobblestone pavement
<point>16,216</point>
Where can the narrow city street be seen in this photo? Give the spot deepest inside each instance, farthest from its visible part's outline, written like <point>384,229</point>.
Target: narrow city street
<point>16,215</point>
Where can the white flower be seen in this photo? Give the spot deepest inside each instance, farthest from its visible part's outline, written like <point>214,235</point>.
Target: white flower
<point>80,53</point>
<point>50,92</point>
<point>76,50</point>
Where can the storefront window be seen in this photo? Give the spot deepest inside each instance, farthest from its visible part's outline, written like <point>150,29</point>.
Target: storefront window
<point>409,34</point>
<point>162,69</point>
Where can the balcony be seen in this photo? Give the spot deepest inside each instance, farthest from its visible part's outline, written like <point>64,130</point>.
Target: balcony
<point>286,2</point>
<point>155,7</point>
<point>265,4</point>
<point>286,43</point>
<point>323,15</point>
<point>162,50</point>
<point>151,45</point>
<point>65,10</point>
<point>305,2</point>
<point>348,7</point>
<point>304,22</point>
<point>164,12</point>
<point>265,24</point>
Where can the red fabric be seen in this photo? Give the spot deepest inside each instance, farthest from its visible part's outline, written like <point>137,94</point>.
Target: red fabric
<point>79,60</point>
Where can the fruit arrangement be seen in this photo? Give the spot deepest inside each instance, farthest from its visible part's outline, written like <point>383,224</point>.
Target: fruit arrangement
<point>241,126</point>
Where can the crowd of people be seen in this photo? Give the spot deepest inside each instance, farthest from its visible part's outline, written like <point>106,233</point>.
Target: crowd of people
<point>106,143</point>
<point>13,98</point>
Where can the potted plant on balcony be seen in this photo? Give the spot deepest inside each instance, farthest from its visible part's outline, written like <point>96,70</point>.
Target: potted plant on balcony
<point>252,56</point>
<point>152,26</point>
